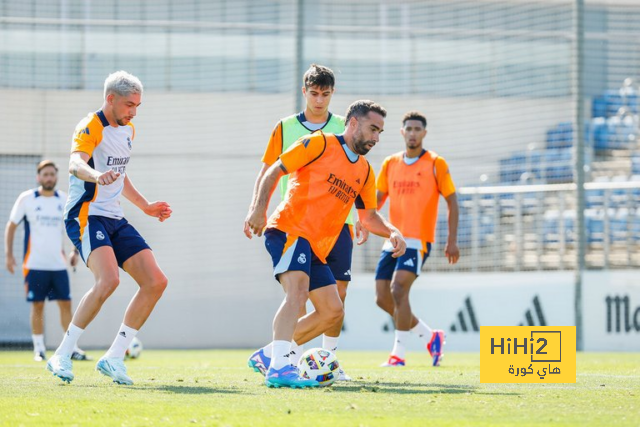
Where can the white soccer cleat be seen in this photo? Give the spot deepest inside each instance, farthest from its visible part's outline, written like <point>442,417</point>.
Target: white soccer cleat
<point>61,367</point>
<point>114,368</point>
<point>342,376</point>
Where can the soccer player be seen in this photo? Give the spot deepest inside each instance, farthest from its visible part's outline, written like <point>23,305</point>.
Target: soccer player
<point>44,266</point>
<point>328,176</point>
<point>95,223</point>
<point>318,88</point>
<point>413,180</point>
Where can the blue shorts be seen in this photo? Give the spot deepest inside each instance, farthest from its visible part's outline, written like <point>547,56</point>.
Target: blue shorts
<point>40,285</point>
<point>295,254</point>
<point>339,259</point>
<point>412,261</point>
<point>102,231</point>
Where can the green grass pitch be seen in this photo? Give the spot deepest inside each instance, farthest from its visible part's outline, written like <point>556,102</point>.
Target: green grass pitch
<point>215,388</point>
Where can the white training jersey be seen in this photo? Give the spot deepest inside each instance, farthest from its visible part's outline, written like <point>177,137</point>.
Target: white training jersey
<point>108,147</point>
<point>43,229</point>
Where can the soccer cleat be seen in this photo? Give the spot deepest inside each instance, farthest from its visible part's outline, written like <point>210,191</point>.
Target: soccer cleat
<point>435,346</point>
<point>39,356</point>
<point>393,361</point>
<point>342,376</point>
<point>287,376</point>
<point>114,368</point>
<point>80,355</point>
<point>61,367</point>
<point>259,362</point>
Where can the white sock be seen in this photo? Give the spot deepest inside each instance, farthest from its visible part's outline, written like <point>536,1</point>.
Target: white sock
<point>69,341</point>
<point>76,348</point>
<point>402,337</point>
<point>121,343</point>
<point>268,350</point>
<point>423,331</point>
<point>281,350</point>
<point>38,343</point>
<point>330,343</point>
<point>296,353</point>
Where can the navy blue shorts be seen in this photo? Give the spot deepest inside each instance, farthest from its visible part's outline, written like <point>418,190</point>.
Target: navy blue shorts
<point>102,231</point>
<point>290,253</point>
<point>339,259</point>
<point>41,285</point>
<point>412,260</point>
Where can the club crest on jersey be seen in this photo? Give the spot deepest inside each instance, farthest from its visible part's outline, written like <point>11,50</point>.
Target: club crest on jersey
<point>302,259</point>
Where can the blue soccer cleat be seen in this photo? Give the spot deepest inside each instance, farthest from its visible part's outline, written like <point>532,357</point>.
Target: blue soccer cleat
<point>114,368</point>
<point>259,362</point>
<point>435,346</point>
<point>287,376</point>
<point>61,367</point>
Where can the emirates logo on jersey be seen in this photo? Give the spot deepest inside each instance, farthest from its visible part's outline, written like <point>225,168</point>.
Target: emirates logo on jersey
<point>341,189</point>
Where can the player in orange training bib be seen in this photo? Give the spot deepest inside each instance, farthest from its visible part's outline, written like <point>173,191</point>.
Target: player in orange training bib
<point>328,175</point>
<point>413,180</point>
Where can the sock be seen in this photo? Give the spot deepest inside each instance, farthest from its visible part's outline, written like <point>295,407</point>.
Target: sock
<point>76,348</point>
<point>296,353</point>
<point>398,346</point>
<point>268,350</point>
<point>38,343</point>
<point>281,350</point>
<point>330,343</point>
<point>69,341</point>
<point>121,343</point>
<point>423,331</point>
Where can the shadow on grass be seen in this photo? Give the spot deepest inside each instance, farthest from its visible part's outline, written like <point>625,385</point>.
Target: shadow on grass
<point>186,389</point>
<point>407,388</point>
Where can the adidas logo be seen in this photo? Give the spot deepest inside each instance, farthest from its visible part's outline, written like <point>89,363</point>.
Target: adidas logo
<point>537,309</point>
<point>466,314</point>
<point>347,273</point>
<point>409,263</point>
<point>123,334</point>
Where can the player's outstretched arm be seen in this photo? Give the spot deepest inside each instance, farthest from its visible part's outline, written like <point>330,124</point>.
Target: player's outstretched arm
<point>451,249</point>
<point>256,219</point>
<point>160,210</point>
<point>256,186</point>
<point>379,226</point>
<point>9,233</point>
<point>79,167</point>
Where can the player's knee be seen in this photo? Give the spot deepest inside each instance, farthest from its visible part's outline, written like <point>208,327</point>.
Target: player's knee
<point>333,313</point>
<point>398,293</point>
<point>159,284</point>
<point>105,286</point>
<point>342,291</point>
<point>298,296</point>
<point>383,302</point>
<point>38,307</point>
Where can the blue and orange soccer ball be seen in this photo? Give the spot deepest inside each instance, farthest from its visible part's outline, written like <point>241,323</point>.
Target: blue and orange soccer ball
<point>135,349</point>
<point>320,365</point>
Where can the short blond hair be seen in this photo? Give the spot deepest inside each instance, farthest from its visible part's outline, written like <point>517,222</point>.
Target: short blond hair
<point>122,83</point>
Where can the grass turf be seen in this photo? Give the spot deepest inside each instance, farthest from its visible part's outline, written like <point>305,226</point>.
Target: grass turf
<point>216,388</point>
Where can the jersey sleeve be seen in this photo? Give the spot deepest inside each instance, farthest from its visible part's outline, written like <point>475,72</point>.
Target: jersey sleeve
<point>367,198</point>
<point>382,183</point>
<point>274,147</point>
<point>18,211</point>
<point>85,137</point>
<point>302,152</point>
<point>443,178</point>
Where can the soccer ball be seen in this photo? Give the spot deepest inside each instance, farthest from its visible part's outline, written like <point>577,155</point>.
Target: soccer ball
<point>320,365</point>
<point>134,350</point>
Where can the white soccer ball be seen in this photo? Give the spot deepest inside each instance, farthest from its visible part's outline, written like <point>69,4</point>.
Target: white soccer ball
<point>134,350</point>
<point>320,365</point>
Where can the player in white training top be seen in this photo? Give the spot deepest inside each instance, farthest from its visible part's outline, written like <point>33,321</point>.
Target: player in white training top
<point>44,265</point>
<point>95,223</point>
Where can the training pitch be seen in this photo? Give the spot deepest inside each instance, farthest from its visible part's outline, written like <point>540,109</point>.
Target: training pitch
<point>216,388</point>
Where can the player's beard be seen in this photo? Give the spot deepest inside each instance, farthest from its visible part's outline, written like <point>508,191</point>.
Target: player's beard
<point>49,186</point>
<point>360,144</point>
